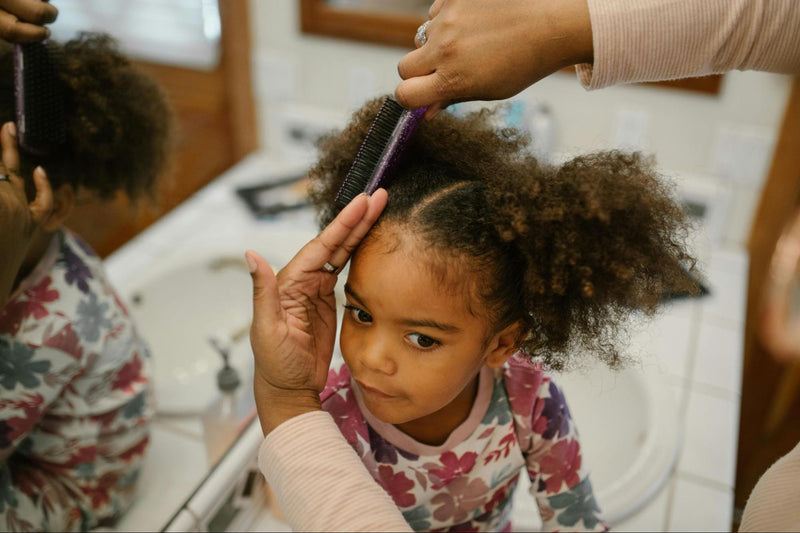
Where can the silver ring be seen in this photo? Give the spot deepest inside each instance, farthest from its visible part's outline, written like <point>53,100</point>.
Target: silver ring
<point>330,269</point>
<point>4,177</point>
<point>421,37</point>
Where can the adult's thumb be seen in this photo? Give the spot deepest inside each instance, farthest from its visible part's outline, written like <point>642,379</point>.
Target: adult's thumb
<point>265,288</point>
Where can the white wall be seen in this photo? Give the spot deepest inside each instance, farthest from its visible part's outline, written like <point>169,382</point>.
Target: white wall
<point>720,143</point>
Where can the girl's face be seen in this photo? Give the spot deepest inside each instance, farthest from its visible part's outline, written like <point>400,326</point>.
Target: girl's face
<point>411,344</point>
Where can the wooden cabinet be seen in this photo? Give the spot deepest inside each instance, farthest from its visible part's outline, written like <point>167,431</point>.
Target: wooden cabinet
<point>216,127</point>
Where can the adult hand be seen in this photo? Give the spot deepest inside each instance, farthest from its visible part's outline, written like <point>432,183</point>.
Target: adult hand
<point>492,49</point>
<point>21,21</point>
<point>18,217</point>
<point>294,315</point>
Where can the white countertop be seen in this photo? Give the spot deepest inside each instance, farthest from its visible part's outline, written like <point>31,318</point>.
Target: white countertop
<point>696,347</point>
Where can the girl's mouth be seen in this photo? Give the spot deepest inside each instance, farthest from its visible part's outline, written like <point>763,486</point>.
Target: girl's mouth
<point>373,391</point>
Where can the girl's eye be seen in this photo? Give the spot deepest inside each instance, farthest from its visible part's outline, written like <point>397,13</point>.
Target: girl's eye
<point>422,341</point>
<point>359,315</point>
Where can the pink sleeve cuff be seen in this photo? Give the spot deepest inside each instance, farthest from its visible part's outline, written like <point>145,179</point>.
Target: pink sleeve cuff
<point>320,482</point>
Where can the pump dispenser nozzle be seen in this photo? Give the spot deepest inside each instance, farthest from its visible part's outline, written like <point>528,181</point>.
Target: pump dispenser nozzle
<point>227,377</point>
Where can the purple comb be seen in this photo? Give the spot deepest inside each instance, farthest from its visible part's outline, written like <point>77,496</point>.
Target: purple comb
<point>380,153</point>
<point>38,99</point>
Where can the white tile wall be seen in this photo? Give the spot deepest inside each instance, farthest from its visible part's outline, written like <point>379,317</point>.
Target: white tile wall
<point>727,271</point>
<point>652,517</point>
<point>697,506</point>
<point>709,449</point>
<point>718,361</point>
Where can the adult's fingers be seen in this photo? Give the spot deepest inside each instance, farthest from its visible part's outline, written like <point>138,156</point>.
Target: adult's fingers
<point>435,8</point>
<point>321,248</point>
<point>33,11</point>
<point>422,91</point>
<point>266,305</point>
<point>21,20</point>
<point>42,204</point>
<point>415,63</point>
<point>376,204</point>
<point>434,109</point>
<point>8,144</point>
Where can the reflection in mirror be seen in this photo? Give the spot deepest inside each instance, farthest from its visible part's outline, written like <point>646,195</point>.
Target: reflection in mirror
<point>395,7</point>
<point>362,21</point>
<point>168,32</point>
<point>79,386</point>
<point>76,398</point>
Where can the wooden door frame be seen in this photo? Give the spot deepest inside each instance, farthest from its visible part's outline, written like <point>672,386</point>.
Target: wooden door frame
<point>760,372</point>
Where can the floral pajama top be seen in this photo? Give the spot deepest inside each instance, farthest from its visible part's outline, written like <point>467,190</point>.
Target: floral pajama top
<point>519,423</point>
<point>74,401</point>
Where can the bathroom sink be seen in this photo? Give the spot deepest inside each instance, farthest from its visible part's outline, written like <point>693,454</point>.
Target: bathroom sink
<point>630,437</point>
<point>182,305</point>
<point>179,312</point>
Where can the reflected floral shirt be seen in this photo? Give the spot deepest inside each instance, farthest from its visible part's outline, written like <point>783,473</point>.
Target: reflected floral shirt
<point>74,396</point>
<point>519,423</point>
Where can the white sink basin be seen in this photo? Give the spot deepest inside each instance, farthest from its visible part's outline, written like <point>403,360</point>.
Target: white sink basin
<point>181,303</point>
<point>178,311</point>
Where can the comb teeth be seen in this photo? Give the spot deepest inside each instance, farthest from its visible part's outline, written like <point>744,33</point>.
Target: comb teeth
<point>39,99</point>
<point>378,155</point>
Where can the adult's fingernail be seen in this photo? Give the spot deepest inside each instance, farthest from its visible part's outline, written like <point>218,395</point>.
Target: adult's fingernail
<point>12,129</point>
<point>251,263</point>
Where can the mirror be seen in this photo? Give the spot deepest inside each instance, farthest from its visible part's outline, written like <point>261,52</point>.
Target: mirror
<point>391,23</point>
<point>395,22</point>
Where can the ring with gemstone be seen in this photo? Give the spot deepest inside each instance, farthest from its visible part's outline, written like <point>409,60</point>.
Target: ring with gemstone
<point>421,37</point>
<point>330,269</point>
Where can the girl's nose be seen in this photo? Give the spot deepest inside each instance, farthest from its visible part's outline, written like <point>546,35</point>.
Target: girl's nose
<point>377,355</point>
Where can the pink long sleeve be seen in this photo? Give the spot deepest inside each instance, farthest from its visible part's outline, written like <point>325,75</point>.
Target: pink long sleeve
<point>773,504</point>
<point>320,482</point>
<point>649,40</point>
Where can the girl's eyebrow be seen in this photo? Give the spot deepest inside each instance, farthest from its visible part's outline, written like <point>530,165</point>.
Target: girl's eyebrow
<point>348,290</point>
<point>420,323</point>
<point>447,328</point>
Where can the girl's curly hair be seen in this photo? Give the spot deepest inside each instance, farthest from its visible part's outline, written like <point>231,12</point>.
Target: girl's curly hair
<point>568,251</point>
<point>118,119</point>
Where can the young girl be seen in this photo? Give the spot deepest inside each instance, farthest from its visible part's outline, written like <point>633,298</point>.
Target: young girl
<point>484,268</point>
<point>74,372</point>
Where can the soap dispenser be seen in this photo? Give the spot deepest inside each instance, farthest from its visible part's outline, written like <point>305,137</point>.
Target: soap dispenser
<point>223,417</point>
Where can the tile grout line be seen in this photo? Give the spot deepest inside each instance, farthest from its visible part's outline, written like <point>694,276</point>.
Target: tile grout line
<point>694,336</point>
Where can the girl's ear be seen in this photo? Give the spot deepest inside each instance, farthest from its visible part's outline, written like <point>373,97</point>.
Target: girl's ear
<point>63,202</point>
<point>503,345</point>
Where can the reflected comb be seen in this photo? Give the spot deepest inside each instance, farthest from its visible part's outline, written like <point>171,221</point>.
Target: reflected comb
<point>377,159</point>
<point>38,99</point>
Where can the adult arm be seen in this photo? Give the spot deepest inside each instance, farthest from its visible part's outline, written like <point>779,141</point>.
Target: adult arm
<point>493,49</point>
<point>660,40</point>
<point>772,506</point>
<point>318,479</point>
<point>21,21</point>
<point>320,482</point>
